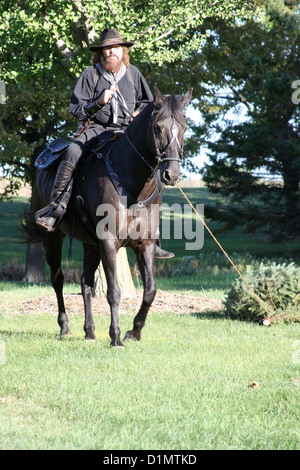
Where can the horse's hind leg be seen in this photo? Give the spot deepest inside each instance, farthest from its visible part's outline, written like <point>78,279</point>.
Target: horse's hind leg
<point>146,259</point>
<point>91,262</point>
<point>54,243</point>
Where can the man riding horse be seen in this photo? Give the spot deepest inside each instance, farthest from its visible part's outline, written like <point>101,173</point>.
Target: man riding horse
<point>107,96</point>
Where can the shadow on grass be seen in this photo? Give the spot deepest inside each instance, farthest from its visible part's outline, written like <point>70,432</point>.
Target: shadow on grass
<point>210,315</point>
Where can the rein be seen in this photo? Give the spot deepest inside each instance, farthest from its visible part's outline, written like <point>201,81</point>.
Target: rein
<point>139,154</point>
<point>160,154</point>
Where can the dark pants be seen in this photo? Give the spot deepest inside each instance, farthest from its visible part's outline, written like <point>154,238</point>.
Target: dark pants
<point>88,139</point>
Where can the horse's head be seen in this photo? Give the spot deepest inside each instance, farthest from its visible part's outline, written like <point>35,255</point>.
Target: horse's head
<point>169,126</point>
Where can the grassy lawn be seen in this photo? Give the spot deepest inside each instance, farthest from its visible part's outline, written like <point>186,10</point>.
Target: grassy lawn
<point>185,386</point>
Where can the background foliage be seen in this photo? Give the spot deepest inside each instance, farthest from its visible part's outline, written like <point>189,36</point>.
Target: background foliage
<point>241,58</point>
<point>250,121</point>
<point>44,48</point>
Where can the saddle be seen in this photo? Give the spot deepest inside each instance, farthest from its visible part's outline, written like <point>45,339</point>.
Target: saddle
<point>51,154</point>
<point>55,149</point>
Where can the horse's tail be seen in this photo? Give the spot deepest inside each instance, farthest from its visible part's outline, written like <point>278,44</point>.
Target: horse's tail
<point>33,233</point>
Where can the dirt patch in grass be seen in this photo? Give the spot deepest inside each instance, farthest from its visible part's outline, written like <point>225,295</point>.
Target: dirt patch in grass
<point>164,302</point>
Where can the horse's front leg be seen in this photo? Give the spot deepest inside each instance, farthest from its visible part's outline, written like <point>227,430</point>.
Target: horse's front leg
<point>91,262</point>
<point>109,259</point>
<point>146,258</point>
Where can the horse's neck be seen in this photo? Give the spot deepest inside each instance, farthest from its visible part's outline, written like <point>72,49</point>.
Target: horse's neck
<point>131,168</point>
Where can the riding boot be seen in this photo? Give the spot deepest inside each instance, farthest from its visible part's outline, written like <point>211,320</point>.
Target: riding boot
<point>160,253</point>
<point>60,196</point>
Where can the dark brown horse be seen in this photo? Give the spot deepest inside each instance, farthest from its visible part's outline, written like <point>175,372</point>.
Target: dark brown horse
<point>119,192</point>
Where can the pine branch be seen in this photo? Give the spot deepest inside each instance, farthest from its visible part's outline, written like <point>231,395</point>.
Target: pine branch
<point>241,98</point>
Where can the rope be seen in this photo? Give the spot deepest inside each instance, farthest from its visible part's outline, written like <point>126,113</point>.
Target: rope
<point>227,256</point>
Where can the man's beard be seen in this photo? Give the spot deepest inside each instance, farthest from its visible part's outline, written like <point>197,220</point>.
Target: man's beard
<point>111,64</point>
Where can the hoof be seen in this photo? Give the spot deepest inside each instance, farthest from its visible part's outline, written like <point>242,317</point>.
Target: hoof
<point>64,332</point>
<point>91,337</point>
<point>116,344</point>
<point>132,336</point>
<point>89,332</point>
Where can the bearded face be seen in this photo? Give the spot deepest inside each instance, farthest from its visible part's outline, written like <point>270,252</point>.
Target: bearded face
<point>112,58</point>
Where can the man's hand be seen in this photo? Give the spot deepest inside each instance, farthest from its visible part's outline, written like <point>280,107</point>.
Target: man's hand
<point>105,97</point>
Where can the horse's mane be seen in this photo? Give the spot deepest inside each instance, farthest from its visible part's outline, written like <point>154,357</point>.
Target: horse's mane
<point>171,107</point>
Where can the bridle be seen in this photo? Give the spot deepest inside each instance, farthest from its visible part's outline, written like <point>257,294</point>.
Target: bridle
<point>161,154</point>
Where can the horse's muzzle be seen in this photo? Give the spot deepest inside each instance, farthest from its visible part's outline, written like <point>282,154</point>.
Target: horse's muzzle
<point>170,174</point>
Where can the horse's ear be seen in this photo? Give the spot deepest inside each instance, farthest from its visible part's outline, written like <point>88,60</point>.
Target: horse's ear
<point>158,97</point>
<point>185,99</point>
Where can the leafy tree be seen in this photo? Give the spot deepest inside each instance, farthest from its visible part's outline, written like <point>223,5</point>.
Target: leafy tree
<point>252,68</point>
<point>44,47</point>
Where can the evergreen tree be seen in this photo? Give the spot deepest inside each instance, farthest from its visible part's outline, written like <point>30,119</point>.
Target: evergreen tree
<point>254,67</point>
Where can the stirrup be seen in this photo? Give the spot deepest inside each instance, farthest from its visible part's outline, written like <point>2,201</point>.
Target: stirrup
<point>45,210</point>
<point>50,216</point>
<point>49,223</point>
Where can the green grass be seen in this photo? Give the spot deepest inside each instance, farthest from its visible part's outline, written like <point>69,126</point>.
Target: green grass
<point>214,286</point>
<point>184,386</point>
<point>10,234</point>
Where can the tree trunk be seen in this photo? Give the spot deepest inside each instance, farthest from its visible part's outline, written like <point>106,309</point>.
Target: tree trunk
<point>124,277</point>
<point>35,263</point>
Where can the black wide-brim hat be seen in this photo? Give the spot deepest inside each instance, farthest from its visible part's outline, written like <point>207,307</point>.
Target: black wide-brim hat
<point>110,37</point>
